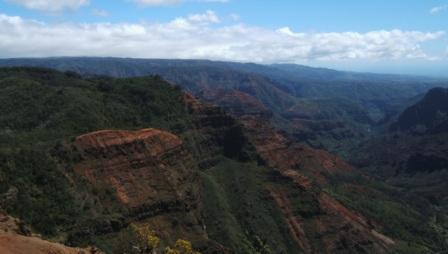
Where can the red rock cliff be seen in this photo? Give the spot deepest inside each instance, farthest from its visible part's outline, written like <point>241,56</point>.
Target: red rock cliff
<point>142,167</point>
<point>151,174</point>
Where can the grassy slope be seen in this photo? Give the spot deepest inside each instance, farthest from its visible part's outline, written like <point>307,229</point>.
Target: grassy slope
<point>241,213</point>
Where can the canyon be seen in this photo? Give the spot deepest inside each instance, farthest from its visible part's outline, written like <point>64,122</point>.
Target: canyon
<point>218,167</point>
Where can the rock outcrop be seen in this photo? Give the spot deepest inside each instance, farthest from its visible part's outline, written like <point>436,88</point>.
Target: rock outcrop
<point>142,167</point>
<point>150,173</point>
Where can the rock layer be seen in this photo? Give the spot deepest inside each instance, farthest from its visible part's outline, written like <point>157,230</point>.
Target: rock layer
<point>320,224</point>
<point>151,174</point>
<point>142,167</point>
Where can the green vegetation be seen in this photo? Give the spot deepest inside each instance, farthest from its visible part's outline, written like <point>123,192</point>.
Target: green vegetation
<point>427,115</point>
<point>40,109</point>
<point>39,105</point>
<point>43,110</point>
<point>140,239</point>
<point>42,193</point>
<point>239,211</point>
<point>409,219</point>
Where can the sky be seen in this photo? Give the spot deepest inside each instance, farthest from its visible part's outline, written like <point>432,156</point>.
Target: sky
<point>393,36</point>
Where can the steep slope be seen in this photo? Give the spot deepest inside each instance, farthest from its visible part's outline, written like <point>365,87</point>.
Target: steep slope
<point>326,186</point>
<point>151,174</point>
<point>310,212</point>
<point>413,157</point>
<point>138,165</point>
<point>428,115</point>
<point>329,185</point>
<point>416,140</point>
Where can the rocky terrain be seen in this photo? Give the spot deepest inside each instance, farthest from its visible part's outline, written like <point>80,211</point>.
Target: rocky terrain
<point>150,173</point>
<point>138,165</point>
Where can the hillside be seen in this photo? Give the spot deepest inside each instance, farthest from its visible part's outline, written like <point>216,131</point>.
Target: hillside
<point>428,115</point>
<point>102,162</point>
<point>413,154</point>
<point>416,140</point>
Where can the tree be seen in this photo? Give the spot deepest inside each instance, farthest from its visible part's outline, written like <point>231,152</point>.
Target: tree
<point>181,247</point>
<point>149,242</point>
<point>147,238</point>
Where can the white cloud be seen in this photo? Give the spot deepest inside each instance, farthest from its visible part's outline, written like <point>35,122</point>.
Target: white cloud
<point>50,5</point>
<point>438,9</point>
<point>199,36</point>
<point>207,17</point>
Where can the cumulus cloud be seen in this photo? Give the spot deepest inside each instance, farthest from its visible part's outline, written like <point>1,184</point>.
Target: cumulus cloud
<point>200,36</point>
<point>50,5</point>
<point>207,17</point>
<point>438,9</point>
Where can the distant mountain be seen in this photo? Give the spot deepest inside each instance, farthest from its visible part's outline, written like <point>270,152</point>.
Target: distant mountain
<point>306,72</point>
<point>420,134</point>
<point>428,115</point>
<point>324,108</point>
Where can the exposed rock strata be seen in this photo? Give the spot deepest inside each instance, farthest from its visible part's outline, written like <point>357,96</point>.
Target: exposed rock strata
<point>326,226</point>
<point>150,173</point>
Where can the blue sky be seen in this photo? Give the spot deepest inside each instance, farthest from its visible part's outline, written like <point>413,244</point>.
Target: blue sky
<point>397,36</point>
